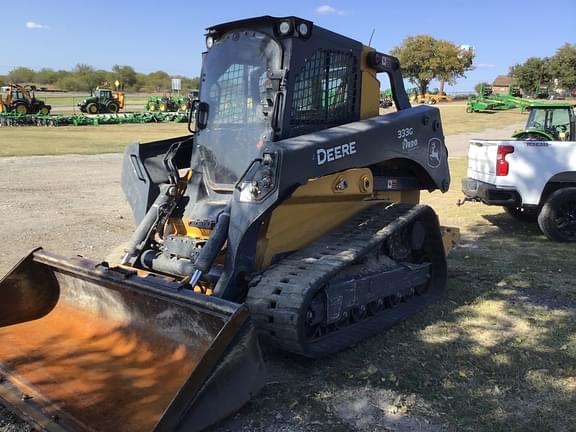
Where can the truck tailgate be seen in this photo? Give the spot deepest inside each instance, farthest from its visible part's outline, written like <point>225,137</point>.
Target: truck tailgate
<point>482,159</point>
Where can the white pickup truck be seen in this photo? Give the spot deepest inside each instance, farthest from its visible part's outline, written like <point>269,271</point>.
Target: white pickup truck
<point>533,180</point>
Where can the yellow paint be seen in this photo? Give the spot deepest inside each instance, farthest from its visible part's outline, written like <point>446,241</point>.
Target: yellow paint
<point>184,227</point>
<point>370,90</point>
<point>120,97</point>
<point>318,207</point>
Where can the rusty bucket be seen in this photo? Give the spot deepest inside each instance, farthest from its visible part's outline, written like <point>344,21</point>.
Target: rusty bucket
<point>90,348</point>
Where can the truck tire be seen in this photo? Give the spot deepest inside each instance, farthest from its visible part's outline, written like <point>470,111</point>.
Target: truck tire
<point>557,219</point>
<point>92,108</point>
<point>522,214</point>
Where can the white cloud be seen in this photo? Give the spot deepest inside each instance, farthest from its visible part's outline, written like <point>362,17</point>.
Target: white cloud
<point>35,25</point>
<point>329,10</point>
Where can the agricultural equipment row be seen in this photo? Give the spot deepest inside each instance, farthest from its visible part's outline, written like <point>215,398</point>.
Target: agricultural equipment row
<point>430,98</point>
<point>15,119</point>
<point>487,100</point>
<point>172,103</point>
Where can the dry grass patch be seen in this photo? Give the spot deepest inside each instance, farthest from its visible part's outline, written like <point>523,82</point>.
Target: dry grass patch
<point>26,141</point>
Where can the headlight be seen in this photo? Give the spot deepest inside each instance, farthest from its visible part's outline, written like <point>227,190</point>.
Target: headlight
<point>209,42</point>
<point>303,29</point>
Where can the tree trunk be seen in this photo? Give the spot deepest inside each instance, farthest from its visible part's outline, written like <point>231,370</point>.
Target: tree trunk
<point>423,87</point>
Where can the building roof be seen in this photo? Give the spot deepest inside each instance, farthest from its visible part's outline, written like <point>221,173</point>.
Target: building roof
<point>503,81</point>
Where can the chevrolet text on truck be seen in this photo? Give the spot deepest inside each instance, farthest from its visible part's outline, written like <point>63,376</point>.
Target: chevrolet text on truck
<point>532,177</point>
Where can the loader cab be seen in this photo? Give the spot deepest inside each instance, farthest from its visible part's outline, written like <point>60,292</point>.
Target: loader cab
<point>267,79</point>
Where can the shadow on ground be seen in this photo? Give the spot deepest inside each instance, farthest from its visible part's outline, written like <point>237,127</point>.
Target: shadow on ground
<point>497,354</point>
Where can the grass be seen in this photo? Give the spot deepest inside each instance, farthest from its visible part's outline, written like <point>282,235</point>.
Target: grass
<point>456,120</point>
<point>498,353</point>
<point>28,141</point>
<point>31,140</point>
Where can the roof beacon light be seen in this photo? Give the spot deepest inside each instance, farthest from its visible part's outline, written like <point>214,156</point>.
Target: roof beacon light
<point>303,29</point>
<point>284,28</point>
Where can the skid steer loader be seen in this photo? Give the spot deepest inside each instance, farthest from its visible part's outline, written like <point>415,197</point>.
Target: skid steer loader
<point>289,216</point>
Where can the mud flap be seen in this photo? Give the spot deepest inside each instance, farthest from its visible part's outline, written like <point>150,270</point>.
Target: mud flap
<point>90,348</point>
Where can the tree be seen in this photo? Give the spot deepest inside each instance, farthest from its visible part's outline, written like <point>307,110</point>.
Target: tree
<point>478,86</point>
<point>21,75</point>
<point>46,76</point>
<point>423,58</point>
<point>157,81</point>
<point>85,78</point>
<point>563,66</point>
<point>532,74</point>
<point>126,75</point>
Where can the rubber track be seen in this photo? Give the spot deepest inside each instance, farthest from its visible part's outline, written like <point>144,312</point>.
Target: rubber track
<point>277,297</point>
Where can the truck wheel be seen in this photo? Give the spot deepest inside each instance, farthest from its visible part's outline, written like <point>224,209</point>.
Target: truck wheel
<point>557,219</point>
<point>92,108</point>
<point>112,108</point>
<point>44,110</point>
<point>522,214</point>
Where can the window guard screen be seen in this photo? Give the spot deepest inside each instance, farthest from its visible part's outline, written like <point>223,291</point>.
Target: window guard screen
<point>324,92</point>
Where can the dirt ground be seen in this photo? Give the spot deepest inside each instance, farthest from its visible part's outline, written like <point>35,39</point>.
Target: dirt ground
<point>74,205</point>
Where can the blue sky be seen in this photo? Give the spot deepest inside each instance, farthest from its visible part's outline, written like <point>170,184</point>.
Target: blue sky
<point>168,35</point>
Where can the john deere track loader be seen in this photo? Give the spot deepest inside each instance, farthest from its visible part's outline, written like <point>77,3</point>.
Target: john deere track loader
<point>291,213</point>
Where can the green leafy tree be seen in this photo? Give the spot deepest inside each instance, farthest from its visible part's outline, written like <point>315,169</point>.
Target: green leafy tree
<point>478,86</point>
<point>21,75</point>
<point>532,74</point>
<point>423,58</point>
<point>158,81</point>
<point>85,77</point>
<point>563,66</point>
<point>126,75</point>
<point>46,76</point>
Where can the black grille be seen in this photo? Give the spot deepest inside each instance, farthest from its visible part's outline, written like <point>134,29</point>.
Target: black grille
<point>324,92</point>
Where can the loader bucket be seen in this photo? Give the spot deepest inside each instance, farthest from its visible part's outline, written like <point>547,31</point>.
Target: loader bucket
<point>90,348</point>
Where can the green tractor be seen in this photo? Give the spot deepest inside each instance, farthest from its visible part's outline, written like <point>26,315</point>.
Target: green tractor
<point>549,121</point>
<point>166,104</point>
<point>153,104</point>
<point>103,101</point>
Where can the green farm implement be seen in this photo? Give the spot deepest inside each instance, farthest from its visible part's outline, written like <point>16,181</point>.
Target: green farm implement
<point>15,119</point>
<point>486,100</point>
